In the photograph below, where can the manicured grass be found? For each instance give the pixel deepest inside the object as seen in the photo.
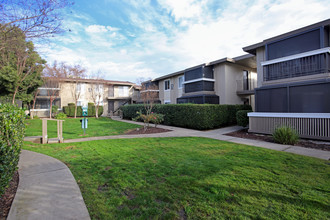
(72, 128)
(197, 178)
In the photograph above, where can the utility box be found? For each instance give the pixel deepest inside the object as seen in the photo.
(84, 111)
(84, 123)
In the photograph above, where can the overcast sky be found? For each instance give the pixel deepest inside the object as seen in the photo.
(128, 39)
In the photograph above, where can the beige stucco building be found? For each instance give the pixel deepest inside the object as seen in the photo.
(224, 81)
(109, 94)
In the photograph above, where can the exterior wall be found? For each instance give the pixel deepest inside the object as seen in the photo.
(228, 80)
(261, 56)
(173, 93)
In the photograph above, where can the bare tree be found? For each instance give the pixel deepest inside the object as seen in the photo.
(97, 91)
(76, 72)
(52, 77)
(37, 18)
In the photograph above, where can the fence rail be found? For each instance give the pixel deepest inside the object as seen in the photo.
(307, 125)
(303, 66)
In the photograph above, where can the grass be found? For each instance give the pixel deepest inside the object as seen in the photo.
(72, 128)
(194, 178)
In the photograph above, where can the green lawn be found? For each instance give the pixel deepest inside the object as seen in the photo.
(72, 128)
(194, 178)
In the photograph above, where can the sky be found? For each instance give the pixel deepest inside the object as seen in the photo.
(131, 39)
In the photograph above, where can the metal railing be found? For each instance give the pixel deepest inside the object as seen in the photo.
(307, 125)
(304, 66)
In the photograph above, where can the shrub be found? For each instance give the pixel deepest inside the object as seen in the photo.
(12, 130)
(60, 115)
(156, 118)
(242, 118)
(69, 110)
(54, 110)
(36, 117)
(195, 116)
(285, 135)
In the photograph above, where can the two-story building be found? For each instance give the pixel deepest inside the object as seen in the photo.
(293, 71)
(224, 81)
(110, 94)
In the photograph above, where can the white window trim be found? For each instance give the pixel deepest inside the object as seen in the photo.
(296, 56)
(289, 115)
(199, 79)
(169, 85)
(149, 90)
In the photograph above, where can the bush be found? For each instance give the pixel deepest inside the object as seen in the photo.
(285, 135)
(54, 110)
(242, 118)
(60, 115)
(12, 130)
(195, 116)
(69, 110)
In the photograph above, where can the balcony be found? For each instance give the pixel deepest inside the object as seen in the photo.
(245, 87)
(303, 64)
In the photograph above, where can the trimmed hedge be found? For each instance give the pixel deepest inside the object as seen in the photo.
(12, 130)
(69, 110)
(195, 116)
(242, 118)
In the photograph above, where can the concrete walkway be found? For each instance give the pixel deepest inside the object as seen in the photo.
(46, 190)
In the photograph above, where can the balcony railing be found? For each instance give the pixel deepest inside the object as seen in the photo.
(310, 63)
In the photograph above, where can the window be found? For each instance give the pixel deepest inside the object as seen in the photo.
(167, 84)
(167, 102)
(181, 79)
(245, 80)
(123, 91)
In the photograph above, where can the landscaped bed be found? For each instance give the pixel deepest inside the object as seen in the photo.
(72, 128)
(319, 145)
(194, 178)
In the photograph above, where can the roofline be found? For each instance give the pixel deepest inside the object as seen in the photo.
(251, 48)
(222, 60)
(109, 82)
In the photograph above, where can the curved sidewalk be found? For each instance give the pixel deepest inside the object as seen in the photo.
(46, 190)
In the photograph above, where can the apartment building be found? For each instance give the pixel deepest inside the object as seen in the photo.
(224, 81)
(293, 71)
(293, 82)
(110, 94)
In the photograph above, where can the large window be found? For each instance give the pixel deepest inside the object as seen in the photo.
(245, 80)
(294, 45)
(181, 79)
(123, 91)
(167, 84)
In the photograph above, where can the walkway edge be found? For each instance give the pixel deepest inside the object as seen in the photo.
(46, 190)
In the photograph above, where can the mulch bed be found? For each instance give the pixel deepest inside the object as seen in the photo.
(7, 198)
(320, 145)
(151, 130)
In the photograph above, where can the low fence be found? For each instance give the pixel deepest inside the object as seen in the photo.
(307, 125)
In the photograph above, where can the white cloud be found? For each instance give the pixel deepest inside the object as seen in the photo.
(179, 34)
(100, 29)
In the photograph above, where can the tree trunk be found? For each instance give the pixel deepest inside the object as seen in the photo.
(75, 110)
(50, 109)
(14, 95)
(97, 111)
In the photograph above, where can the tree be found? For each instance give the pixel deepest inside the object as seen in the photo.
(76, 72)
(36, 18)
(149, 95)
(20, 66)
(97, 91)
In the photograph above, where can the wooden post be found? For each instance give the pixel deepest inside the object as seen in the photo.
(44, 131)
